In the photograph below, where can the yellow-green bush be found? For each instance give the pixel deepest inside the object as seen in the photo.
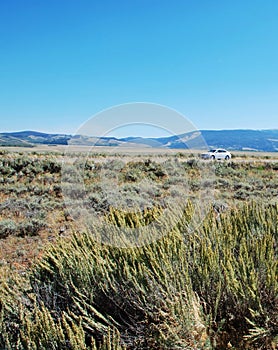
(215, 287)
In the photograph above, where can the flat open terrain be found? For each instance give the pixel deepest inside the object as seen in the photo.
(132, 150)
(245, 177)
(126, 222)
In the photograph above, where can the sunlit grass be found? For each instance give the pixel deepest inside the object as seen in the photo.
(213, 285)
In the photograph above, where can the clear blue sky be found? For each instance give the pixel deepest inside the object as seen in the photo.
(62, 61)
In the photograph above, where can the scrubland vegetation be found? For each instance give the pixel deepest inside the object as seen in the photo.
(211, 285)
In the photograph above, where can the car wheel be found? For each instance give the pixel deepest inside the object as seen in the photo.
(227, 157)
(212, 157)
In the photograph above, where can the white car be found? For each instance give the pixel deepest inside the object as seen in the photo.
(218, 153)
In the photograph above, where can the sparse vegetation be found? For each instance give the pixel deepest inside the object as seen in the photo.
(208, 286)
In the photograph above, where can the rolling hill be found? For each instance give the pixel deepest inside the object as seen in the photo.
(253, 140)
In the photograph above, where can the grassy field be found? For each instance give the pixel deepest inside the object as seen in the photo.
(129, 150)
(137, 249)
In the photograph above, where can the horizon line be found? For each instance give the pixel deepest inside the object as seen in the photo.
(133, 136)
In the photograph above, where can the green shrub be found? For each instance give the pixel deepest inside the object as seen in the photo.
(7, 228)
(212, 285)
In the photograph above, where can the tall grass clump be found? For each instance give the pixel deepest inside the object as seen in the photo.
(211, 287)
(233, 269)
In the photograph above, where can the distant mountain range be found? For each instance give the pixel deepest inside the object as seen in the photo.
(253, 140)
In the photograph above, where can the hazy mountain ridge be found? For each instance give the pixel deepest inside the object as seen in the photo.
(258, 140)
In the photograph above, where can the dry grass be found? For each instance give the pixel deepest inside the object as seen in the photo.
(209, 286)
